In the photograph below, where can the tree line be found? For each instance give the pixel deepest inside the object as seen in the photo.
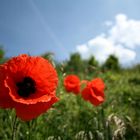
(76, 64)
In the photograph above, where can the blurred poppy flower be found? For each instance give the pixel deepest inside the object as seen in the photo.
(94, 91)
(72, 84)
(28, 84)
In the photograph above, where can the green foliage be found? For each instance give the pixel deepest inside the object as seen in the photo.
(2, 53)
(137, 67)
(111, 63)
(92, 64)
(49, 56)
(92, 61)
(75, 64)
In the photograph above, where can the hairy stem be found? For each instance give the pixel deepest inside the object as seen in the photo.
(14, 128)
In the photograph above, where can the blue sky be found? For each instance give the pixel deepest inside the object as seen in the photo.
(66, 26)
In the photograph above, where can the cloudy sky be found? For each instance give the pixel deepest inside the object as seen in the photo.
(90, 27)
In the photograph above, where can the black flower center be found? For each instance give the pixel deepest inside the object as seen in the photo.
(26, 87)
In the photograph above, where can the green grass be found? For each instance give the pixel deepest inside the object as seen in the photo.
(72, 118)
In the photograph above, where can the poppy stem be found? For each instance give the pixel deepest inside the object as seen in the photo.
(14, 128)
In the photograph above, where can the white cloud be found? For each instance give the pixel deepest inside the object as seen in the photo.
(83, 50)
(125, 55)
(125, 31)
(121, 39)
(100, 47)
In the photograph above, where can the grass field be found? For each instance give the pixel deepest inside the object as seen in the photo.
(72, 118)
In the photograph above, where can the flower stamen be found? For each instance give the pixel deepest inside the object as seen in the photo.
(26, 87)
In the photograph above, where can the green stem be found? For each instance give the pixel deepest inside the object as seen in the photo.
(14, 128)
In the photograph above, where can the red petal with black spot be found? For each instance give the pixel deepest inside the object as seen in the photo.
(28, 84)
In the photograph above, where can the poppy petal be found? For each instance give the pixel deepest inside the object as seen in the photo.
(5, 99)
(98, 84)
(94, 91)
(15, 97)
(28, 112)
(72, 83)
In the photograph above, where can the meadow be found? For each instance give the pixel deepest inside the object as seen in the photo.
(72, 118)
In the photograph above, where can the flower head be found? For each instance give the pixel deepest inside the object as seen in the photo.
(94, 91)
(28, 84)
(72, 84)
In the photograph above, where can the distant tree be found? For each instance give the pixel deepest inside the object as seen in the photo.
(112, 63)
(75, 63)
(49, 56)
(92, 63)
(136, 67)
(2, 53)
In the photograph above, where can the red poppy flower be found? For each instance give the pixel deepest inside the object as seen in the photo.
(94, 91)
(72, 84)
(28, 84)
